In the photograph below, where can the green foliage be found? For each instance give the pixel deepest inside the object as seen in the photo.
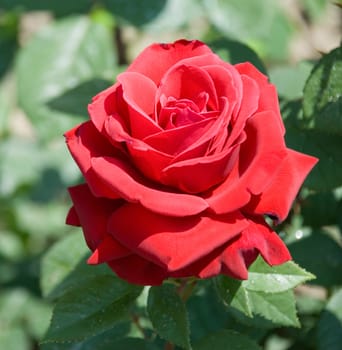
(270, 26)
(329, 332)
(103, 303)
(168, 315)
(57, 65)
(220, 340)
(328, 268)
(322, 94)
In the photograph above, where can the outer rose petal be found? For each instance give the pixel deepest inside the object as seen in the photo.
(169, 242)
(93, 213)
(260, 157)
(257, 237)
(156, 59)
(234, 258)
(277, 199)
(137, 270)
(120, 178)
(268, 93)
(72, 218)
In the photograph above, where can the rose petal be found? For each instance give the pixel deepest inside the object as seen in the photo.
(166, 240)
(268, 93)
(201, 147)
(225, 86)
(257, 237)
(122, 179)
(140, 106)
(249, 105)
(93, 213)
(188, 82)
(156, 59)
(199, 174)
(147, 159)
(84, 142)
(277, 198)
(106, 103)
(72, 218)
(234, 258)
(177, 140)
(108, 249)
(260, 157)
(137, 270)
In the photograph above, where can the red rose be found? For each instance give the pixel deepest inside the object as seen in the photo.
(182, 159)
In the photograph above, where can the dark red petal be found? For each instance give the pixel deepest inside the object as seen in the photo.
(122, 179)
(72, 218)
(260, 236)
(257, 237)
(108, 249)
(137, 270)
(93, 213)
(172, 242)
(234, 258)
(277, 198)
(156, 59)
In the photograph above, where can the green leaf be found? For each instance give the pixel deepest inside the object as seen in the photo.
(9, 24)
(322, 103)
(168, 315)
(234, 294)
(329, 327)
(226, 339)
(236, 52)
(315, 8)
(269, 32)
(135, 12)
(13, 154)
(58, 8)
(278, 308)
(290, 80)
(60, 261)
(206, 315)
(58, 65)
(274, 279)
(176, 14)
(327, 173)
(319, 209)
(321, 255)
(91, 309)
(14, 338)
(105, 341)
(76, 100)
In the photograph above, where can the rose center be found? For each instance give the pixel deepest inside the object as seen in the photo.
(175, 113)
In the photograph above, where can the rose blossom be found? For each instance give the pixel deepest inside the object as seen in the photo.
(182, 158)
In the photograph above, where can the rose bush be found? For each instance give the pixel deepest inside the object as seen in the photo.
(182, 158)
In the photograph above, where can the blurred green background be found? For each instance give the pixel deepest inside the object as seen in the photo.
(55, 55)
